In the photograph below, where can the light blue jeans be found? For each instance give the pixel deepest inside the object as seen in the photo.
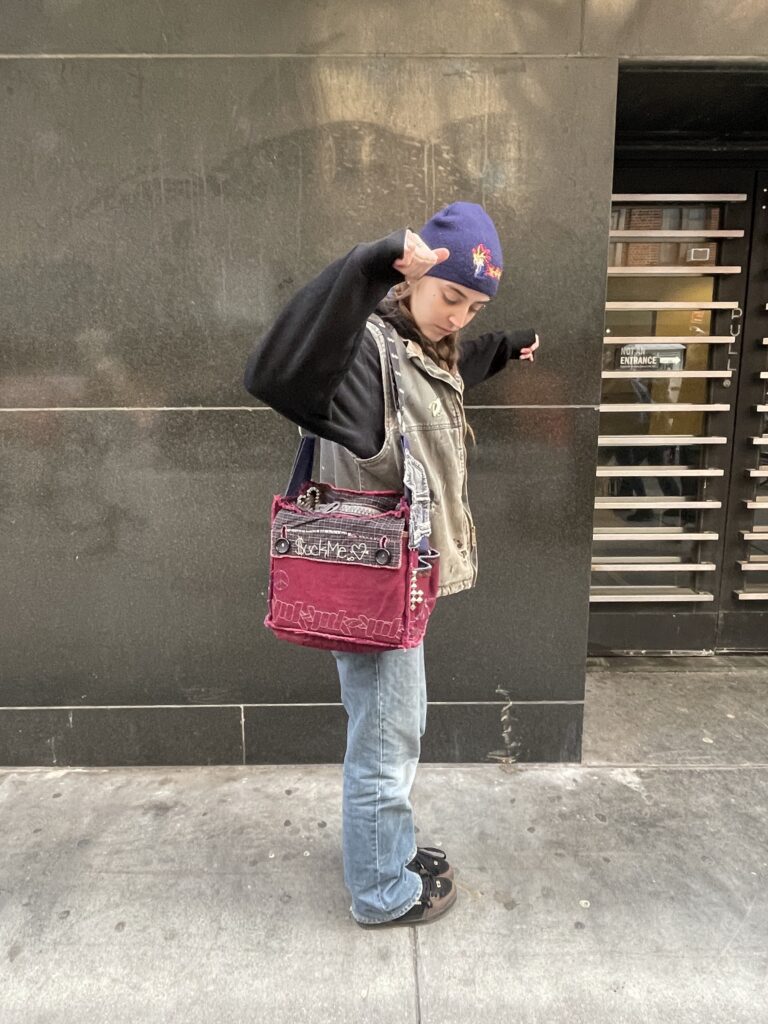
(385, 696)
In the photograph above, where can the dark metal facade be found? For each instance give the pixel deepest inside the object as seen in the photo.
(169, 176)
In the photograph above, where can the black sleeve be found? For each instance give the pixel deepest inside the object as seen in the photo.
(480, 358)
(319, 342)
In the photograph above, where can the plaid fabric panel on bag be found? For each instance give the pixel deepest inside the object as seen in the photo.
(336, 538)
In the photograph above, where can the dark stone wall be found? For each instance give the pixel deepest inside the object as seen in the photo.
(171, 173)
(669, 28)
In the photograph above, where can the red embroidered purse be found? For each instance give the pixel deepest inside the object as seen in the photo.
(352, 570)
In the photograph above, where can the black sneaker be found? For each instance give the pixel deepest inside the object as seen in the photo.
(431, 861)
(437, 895)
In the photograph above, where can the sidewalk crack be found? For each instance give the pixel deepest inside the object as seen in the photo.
(415, 949)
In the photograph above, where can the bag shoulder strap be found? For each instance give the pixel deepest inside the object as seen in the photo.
(302, 465)
(386, 332)
(305, 455)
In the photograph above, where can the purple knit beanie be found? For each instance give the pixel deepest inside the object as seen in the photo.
(466, 230)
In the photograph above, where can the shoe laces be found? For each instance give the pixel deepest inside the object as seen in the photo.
(428, 858)
(431, 888)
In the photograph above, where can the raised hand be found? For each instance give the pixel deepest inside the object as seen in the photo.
(417, 257)
(527, 352)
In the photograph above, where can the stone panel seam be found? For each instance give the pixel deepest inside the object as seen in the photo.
(604, 57)
(595, 408)
(369, 55)
(286, 704)
(553, 766)
(137, 408)
(113, 707)
(228, 408)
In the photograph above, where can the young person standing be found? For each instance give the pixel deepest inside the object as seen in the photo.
(321, 366)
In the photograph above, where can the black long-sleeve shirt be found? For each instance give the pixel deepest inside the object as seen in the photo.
(319, 367)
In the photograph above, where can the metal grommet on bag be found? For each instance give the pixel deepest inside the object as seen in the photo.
(282, 544)
(382, 555)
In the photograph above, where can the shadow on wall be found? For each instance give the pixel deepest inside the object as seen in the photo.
(204, 263)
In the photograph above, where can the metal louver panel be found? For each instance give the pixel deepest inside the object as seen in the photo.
(639, 594)
(682, 339)
(679, 197)
(662, 502)
(670, 280)
(626, 306)
(675, 234)
(657, 564)
(648, 470)
(759, 563)
(669, 271)
(658, 533)
(612, 440)
(645, 407)
(683, 374)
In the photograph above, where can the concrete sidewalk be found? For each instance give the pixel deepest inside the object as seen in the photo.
(603, 892)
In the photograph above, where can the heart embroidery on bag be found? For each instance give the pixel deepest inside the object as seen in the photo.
(359, 551)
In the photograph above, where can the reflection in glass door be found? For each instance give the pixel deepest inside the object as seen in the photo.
(677, 279)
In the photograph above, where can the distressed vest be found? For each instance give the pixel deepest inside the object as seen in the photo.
(433, 413)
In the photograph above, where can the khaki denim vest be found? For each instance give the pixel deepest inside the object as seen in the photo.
(433, 412)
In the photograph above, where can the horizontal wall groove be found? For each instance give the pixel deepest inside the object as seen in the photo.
(676, 766)
(506, 767)
(227, 408)
(596, 408)
(137, 408)
(477, 55)
(707, 58)
(239, 704)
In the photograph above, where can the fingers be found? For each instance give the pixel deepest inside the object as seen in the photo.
(527, 352)
(417, 257)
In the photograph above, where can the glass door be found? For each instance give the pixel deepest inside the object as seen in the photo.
(668, 448)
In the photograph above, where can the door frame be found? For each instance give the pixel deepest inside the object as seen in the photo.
(743, 625)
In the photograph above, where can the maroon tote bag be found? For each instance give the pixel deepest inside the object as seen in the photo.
(352, 570)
